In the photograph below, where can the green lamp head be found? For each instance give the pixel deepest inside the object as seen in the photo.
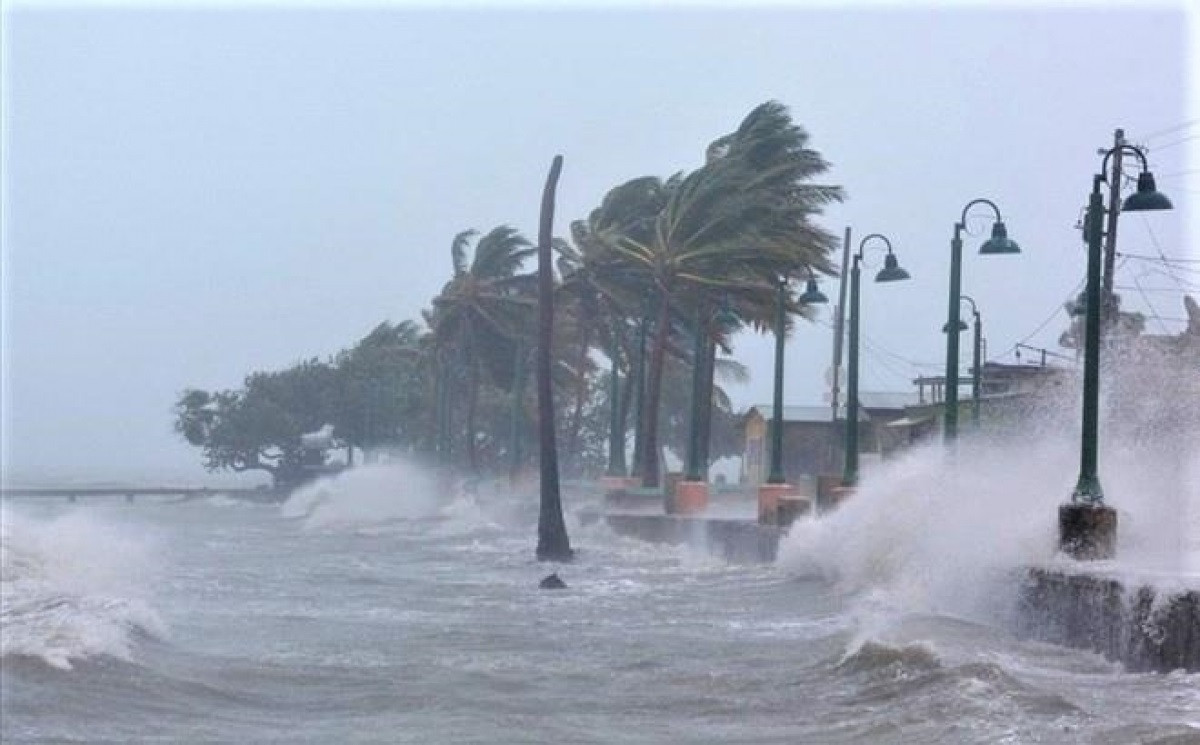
(812, 294)
(999, 243)
(891, 271)
(1147, 197)
(962, 326)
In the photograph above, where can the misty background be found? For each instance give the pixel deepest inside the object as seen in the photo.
(193, 194)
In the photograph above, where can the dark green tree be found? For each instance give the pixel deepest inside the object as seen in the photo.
(479, 315)
(260, 426)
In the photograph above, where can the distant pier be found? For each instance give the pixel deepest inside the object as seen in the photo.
(183, 493)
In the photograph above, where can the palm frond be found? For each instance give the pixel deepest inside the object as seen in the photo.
(458, 251)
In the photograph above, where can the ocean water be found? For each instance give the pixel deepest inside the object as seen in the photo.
(372, 609)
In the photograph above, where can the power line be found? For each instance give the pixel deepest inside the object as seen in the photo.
(1173, 143)
(1146, 300)
(1053, 314)
(1139, 288)
(1158, 249)
(880, 353)
(1169, 318)
(1160, 257)
(1176, 174)
(1168, 130)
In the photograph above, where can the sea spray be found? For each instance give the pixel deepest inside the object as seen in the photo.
(368, 495)
(947, 533)
(74, 587)
(369, 498)
(933, 532)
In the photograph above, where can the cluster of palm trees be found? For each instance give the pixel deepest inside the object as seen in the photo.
(656, 279)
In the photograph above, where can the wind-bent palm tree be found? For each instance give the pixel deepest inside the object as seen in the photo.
(481, 311)
(603, 296)
(553, 543)
(733, 228)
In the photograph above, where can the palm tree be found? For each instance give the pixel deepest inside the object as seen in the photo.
(603, 296)
(479, 314)
(734, 227)
(553, 543)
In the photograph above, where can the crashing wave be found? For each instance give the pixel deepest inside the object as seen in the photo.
(72, 588)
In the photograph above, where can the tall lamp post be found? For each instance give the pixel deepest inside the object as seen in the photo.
(811, 296)
(775, 475)
(999, 243)
(977, 343)
(776, 484)
(891, 272)
(1087, 527)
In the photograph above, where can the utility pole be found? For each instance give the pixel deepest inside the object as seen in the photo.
(839, 319)
(839, 333)
(1110, 234)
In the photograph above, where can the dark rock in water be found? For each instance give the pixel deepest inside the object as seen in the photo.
(552, 582)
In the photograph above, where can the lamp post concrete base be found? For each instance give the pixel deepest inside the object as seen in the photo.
(691, 497)
(618, 483)
(1087, 531)
(790, 507)
(768, 501)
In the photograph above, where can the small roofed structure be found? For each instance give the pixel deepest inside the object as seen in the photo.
(321, 439)
(814, 441)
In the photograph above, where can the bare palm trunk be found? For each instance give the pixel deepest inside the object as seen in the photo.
(472, 405)
(627, 394)
(706, 407)
(650, 449)
(576, 422)
(514, 433)
(553, 543)
(639, 403)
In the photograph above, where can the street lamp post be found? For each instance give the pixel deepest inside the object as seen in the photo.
(811, 296)
(891, 272)
(976, 353)
(775, 475)
(1087, 527)
(999, 243)
(976, 362)
(776, 484)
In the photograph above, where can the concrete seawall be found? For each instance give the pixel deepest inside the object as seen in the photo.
(739, 541)
(1137, 622)
(1129, 621)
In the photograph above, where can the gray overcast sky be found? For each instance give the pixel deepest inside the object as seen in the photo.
(192, 194)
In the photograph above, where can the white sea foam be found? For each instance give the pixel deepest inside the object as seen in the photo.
(73, 587)
(942, 534)
(369, 495)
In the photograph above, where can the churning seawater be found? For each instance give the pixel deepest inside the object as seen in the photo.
(368, 610)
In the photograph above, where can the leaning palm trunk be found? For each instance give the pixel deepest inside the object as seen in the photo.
(627, 394)
(553, 543)
(639, 403)
(472, 405)
(650, 449)
(581, 391)
(706, 405)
